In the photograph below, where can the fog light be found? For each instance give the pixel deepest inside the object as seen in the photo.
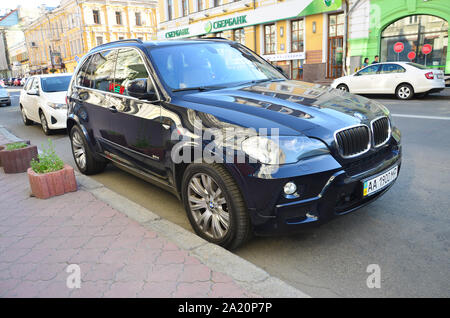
(290, 188)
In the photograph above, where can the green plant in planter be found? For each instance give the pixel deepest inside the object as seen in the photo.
(16, 145)
(48, 160)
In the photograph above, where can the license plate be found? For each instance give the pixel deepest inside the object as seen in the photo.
(379, 182)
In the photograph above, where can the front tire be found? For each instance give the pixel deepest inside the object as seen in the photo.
(44, 124)
(342, 87)
(83, 156)
(215, 206)
(404, 91)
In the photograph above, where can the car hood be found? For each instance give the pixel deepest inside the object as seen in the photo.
(293, 107)
(56, 97)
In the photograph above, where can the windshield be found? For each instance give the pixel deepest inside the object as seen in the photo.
(210, 65)
(55, 84)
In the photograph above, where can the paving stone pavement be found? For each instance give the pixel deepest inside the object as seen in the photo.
(117, 256)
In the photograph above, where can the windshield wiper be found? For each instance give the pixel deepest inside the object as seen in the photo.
(197, 88)
(262, 81)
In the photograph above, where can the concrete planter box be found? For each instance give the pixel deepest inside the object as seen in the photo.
(50, 184)
(18, 160)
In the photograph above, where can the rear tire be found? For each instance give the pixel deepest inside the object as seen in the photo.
(215, 206)
(25, 120)
(82, 154)
(404, 92)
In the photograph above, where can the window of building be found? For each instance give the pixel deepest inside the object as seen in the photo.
(138, 18)
(200, 5)
(217, 3)
(129, 67)
(335, 45)
(297, 36)
(269, 39)
(239, 36)
(169, 9)
(99, 40)
(185, 7)
(297, 70)
(414, 32)
(96, 15)
(121, 37)
(118, 18)
(100, 72)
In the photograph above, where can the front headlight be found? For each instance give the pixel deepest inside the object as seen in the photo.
(56, 105)
(275, 150)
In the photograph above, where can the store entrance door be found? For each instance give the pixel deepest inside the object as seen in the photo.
(335, 45)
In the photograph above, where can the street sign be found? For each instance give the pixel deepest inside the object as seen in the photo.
(426, 49)
(411, 55)
(398, 47)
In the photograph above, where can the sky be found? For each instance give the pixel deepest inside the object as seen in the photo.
(5, 4)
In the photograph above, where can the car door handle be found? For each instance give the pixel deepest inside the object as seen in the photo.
(112, 109)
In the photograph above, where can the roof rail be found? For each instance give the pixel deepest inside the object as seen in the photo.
(119, 41)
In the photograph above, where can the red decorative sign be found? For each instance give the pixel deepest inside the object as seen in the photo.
(426, 49)
(411, 55)
(116, 88)
(398, 47)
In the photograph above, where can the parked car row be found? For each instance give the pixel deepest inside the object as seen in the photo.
(13, 81)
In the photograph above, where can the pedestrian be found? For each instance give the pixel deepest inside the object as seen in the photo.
(376, 60)
(366, 62)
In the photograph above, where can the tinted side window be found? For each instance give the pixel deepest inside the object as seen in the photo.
(370, 70)
(100, 71)
(391, 68)
(130, 66)
(81, 79)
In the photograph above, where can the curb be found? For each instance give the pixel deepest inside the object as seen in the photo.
(245, 274)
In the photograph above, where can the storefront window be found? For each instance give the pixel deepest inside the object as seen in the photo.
(414, 32)
(297, 70)
(269, 39)
(239, 36)
(297, 36)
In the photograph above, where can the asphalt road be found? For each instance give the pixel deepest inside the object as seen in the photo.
(406, 232)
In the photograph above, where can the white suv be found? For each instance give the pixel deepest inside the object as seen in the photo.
(43, 100)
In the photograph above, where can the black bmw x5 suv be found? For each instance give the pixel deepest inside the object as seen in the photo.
(246, 150)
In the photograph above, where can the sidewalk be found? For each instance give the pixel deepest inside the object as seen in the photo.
(122, 249)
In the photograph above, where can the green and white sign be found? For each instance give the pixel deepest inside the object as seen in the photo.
(270, 13)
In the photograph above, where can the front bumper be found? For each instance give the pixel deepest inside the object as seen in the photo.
(329, 191)
(5, 100)
(56, 118)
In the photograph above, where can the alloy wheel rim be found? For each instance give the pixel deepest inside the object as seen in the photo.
(208, 206)
(404, 92)
(79, 152)
(342, 88)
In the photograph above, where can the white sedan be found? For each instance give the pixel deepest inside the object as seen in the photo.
(404, 79)
(43, 100)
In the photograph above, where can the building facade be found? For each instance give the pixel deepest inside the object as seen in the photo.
(57, 40)
(376, 25)
(304, 37)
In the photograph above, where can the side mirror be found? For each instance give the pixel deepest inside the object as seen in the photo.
(33, 92)
(138, 88)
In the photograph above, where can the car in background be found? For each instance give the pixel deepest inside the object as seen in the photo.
(10, 81)
(404, 79)
(2, 83)
(17, 82)
(42, 100)
(5, 99)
